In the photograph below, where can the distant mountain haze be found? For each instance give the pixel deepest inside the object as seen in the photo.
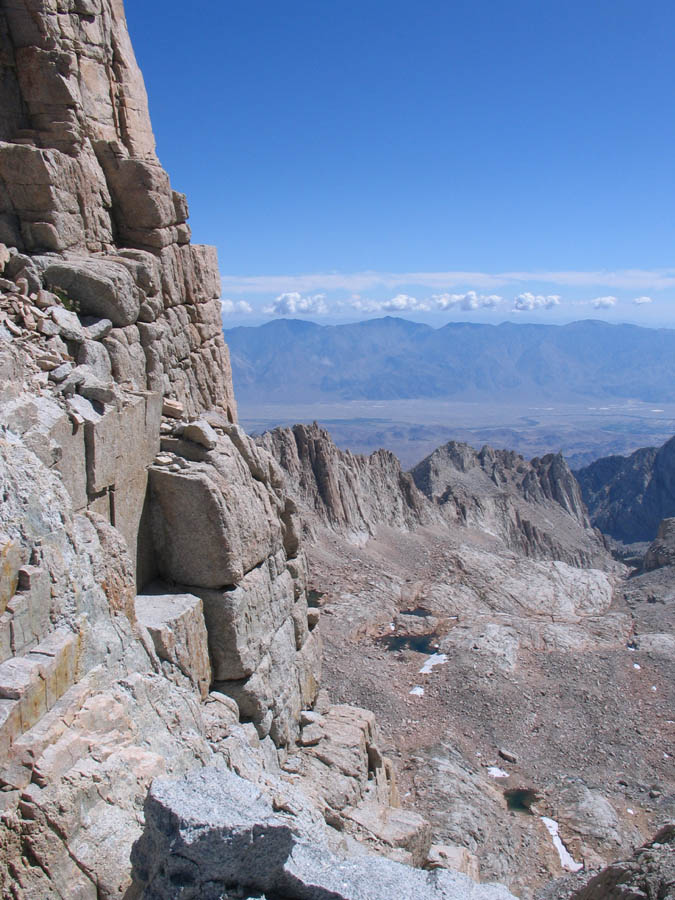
(290, 360)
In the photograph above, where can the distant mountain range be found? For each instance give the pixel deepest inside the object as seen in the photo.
(392, 358)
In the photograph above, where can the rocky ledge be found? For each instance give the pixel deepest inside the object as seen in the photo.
(213, 836)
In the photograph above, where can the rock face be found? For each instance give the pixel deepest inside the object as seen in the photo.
(661, 551)
(87, 205)
(627, 496)
(214, 835)
(535, 507)
(153, 604)
(650, 872)
(341, 490)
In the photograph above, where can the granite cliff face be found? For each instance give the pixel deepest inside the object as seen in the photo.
(90, 210)
(628, 496)
(343, 491)
(153, 605)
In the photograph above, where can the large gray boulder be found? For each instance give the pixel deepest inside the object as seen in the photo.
(212, 835)
(99, 287)
(219, 500)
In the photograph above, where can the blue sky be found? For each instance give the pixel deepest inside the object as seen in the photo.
(440, 160)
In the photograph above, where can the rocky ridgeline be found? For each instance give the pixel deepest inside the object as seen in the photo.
(535, 507)
(628, 496)
(153, 604)
(341, 490)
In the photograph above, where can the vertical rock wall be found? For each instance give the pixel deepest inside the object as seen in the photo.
(120, 465)
(88, 206)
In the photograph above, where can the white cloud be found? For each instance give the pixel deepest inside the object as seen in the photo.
(402, 303)
(641, 300)
(468, 301)
(528, 301)
(357, 282)
(399, 303)
(292, 302)
(604, 302)
(229, 307)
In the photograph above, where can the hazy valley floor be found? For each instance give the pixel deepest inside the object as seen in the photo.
(414, 428)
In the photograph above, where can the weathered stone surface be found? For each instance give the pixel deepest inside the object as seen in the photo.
(535, 507)
(46, 429)
(172, 408)
(96, 329)
(78, 175)
(94, 355)
(201, 433)
(92, 387)
(11, 558)
(271, 697)
(176, 625)
(99, 287)
(242, 621)
(213, 832)
(452, 856)
(405, 834)
(68, 324)
(661, 551)
(234, 514)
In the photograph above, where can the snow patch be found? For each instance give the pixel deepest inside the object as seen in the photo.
(436, 659)
(417, 691)
(496, 772)
(566, 860)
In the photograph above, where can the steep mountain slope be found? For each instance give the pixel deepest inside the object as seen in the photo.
(392, 358)
(348, 492)
(628, 496)
(535, 507)
(478, 649)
